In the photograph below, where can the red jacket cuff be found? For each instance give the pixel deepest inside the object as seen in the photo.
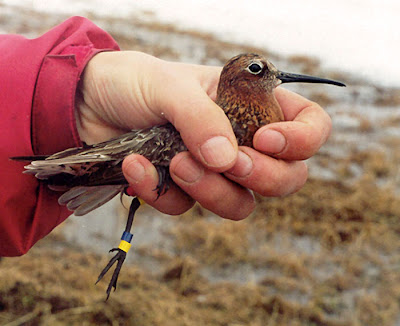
(53, 112)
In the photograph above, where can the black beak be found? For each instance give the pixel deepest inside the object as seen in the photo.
(286, 77)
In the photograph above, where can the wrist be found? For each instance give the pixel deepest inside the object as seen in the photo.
(89, 108)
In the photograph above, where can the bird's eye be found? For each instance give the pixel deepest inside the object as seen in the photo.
(255, 68)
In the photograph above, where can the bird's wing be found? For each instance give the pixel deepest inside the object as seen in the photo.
(159, 144)
(83, 200)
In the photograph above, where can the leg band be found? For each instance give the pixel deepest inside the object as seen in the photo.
(124, 246)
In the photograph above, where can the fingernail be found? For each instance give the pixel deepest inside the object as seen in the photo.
(218, 152)
(135, 172)
(243, 166)
(271, 141)
(188, 170)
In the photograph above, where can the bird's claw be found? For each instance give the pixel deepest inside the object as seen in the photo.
(164, 180)
(120, 257)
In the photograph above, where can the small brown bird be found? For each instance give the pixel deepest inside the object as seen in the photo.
(92, 175)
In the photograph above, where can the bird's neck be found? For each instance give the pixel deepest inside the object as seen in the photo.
(248, 113)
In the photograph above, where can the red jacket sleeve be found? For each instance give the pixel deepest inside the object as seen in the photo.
(38, 81)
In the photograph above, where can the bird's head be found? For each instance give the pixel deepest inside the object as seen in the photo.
(254, 72)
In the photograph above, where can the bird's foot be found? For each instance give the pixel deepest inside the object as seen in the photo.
(120, 256)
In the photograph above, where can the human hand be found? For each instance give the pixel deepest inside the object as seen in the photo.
(130, 90)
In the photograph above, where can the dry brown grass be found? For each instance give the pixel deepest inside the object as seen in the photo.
(308, 65)
(387, 97)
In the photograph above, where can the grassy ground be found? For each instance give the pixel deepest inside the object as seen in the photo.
(348, 275)
(328, 255)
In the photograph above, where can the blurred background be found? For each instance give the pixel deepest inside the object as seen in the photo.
(328, 255)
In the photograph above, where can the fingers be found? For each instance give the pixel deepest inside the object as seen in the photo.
(308, 128)
(212, 190)
(143, 178)
(266, 175)
(187, 103)
(263, 174)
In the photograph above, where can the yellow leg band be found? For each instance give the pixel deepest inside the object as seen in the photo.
(141, 201)
(124, 245)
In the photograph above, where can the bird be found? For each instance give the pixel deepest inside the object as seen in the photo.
(92, 175)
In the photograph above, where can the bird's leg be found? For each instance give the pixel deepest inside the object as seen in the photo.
(122, 249)
(164, 180)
